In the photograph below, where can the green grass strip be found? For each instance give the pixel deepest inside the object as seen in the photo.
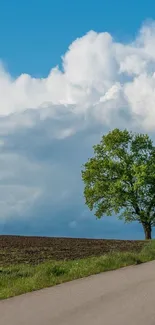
(22, 278)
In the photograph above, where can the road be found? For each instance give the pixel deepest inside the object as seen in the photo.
(121, 297)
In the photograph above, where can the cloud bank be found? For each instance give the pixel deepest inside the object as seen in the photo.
(48, 127)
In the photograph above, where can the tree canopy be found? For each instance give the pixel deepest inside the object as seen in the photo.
(120, 178)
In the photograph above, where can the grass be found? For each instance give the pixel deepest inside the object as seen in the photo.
(22, 278)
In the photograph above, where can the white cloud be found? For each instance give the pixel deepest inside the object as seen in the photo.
(17, 200)
(95, 69)
(48, 125)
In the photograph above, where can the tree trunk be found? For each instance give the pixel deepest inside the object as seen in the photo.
(147, 231)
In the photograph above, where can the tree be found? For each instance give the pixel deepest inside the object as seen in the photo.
(120, 178)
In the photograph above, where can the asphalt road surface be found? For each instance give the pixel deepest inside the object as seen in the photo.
(121, 297)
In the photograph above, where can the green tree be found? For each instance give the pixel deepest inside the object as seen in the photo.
(120, 178)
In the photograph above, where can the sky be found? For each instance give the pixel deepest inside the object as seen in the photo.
(69, 72)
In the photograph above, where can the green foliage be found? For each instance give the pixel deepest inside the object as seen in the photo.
(120, 178)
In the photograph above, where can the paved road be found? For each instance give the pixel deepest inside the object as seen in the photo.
(122, 297)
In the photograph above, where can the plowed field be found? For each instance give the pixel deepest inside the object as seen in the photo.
(34, 250)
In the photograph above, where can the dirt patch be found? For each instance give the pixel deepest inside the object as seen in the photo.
(34, 250)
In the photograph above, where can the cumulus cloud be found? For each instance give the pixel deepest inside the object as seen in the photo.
(48, 125)
(96, 69)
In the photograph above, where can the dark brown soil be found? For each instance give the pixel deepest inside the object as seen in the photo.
(33, 250)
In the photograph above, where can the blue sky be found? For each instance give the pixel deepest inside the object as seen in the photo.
(69, 73)
(35, 34)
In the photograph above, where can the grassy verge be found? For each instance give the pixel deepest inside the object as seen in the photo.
(18, 279)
